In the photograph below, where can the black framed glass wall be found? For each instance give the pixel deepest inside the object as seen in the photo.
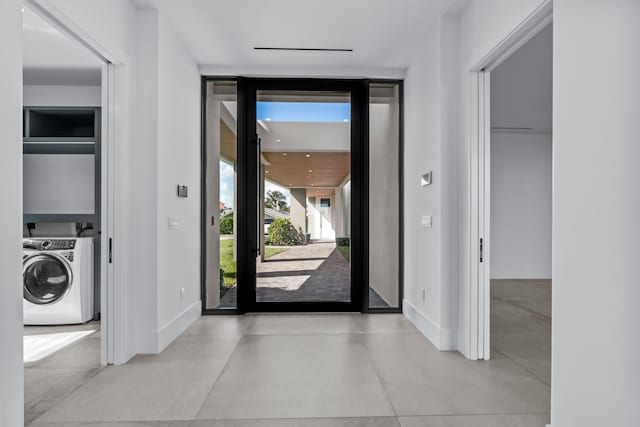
(357, 220)
(385, 201)
(219, 196)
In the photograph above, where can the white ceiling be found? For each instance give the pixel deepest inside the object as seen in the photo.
(382, 33)
(51, 57)
(306, 136)
(522, 86)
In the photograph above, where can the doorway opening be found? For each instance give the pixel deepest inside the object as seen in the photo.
(291, 220)
(510, 171)
(68, 215)
(520, 205)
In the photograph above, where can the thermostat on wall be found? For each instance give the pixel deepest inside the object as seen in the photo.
(183, 191)
(425, 179)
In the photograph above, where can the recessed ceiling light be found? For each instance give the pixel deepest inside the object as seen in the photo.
(307, 155)
(310, 170)
(277, 140)
(266, 171)
(284, 154)
(290, 185)
(312, 185)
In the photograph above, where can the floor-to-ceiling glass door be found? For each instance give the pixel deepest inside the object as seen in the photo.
(301, 191)
(302, 182)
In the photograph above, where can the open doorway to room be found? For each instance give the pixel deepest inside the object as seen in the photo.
(301, 195)
(62, 206)
(520, 205)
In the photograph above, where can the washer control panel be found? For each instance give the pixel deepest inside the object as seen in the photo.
(49, 244)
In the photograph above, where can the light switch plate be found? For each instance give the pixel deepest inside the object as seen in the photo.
(173, 223)
(426, 221)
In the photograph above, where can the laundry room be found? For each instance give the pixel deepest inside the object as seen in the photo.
(62, 212)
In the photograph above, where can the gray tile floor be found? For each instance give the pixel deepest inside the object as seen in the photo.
(50, 380)
(317, 370)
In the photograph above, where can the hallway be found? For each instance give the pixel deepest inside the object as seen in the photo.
(269, 370)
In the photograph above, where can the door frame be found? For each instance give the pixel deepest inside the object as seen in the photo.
(248, 159)
(479, 250)
(114, 348)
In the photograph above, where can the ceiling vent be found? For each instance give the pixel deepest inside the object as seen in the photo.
(304, 49)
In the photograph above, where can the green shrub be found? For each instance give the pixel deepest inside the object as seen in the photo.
(343, 241)
(226, 225)
(283, 233)
(344, 246)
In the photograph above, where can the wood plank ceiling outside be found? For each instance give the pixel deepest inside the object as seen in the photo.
(296, 170)
(328, 169)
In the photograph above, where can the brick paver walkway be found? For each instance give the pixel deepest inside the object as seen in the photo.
(312, 272)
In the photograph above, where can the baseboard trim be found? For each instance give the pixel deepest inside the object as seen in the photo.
(153, 342)
(534, 274)
(442, 339)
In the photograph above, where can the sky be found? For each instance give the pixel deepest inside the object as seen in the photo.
(226, 185)
(311, 112)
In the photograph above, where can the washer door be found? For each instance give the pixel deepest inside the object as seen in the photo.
(46, 278)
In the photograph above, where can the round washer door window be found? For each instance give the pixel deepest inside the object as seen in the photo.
(46, 279)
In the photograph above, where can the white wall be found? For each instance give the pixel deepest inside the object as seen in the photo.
(11, 367)
(143, 152)
(178, 163)
(59, 183)
(521, 206)
(430, 109)
(166, 153)
(62, 96)
(596, 294)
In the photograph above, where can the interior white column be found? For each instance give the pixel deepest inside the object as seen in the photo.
(596, 214)
(11, 366)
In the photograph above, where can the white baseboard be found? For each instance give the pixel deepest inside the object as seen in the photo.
(442, 339)
(530, 274)
(153, 342)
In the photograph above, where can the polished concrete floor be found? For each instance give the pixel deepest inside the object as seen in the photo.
(320, 370)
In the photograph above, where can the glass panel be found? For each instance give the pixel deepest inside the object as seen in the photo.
(384, 196)
(46, 279)
(305, 200)
(221, 179)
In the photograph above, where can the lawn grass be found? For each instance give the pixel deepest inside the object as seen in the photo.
(229, 265)
(345, 251)
(270, 251)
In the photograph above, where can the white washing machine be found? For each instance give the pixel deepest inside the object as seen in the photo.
(57, 277)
